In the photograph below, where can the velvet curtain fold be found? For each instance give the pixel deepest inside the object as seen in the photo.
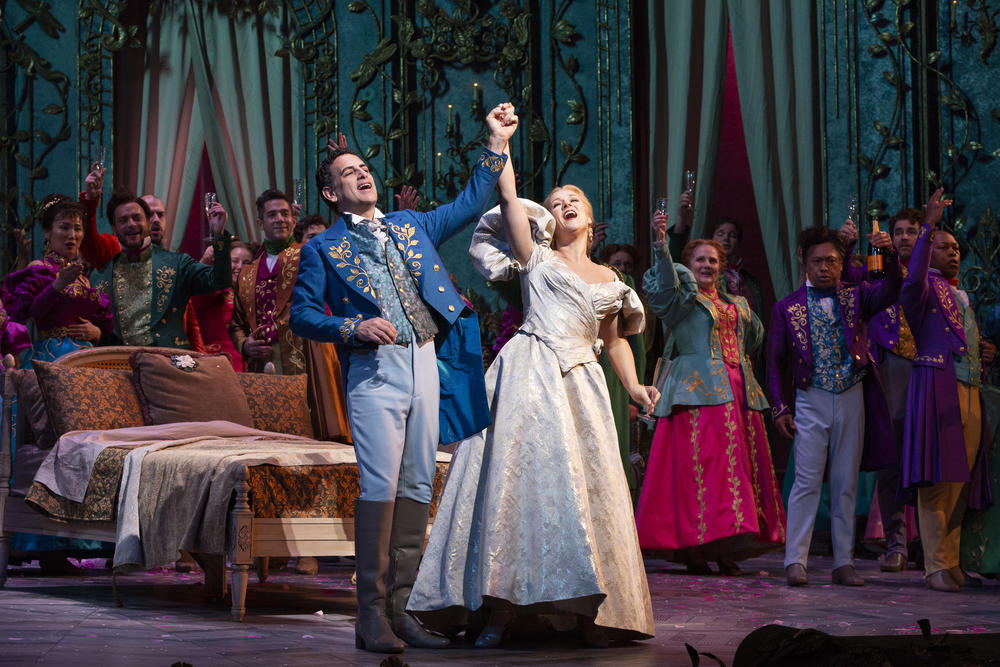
(688, 42)
(775, 50)
(775, 47)
(214, 83)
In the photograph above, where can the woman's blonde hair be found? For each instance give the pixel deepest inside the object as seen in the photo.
(575, 190)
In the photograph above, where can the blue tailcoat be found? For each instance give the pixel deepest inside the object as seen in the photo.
(331, 274)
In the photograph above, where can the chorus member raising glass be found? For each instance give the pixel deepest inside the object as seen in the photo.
(710, 491)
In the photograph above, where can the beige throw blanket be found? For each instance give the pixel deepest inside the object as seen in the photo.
(178, 479)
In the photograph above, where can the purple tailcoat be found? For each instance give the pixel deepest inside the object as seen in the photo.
(883, 327)
(790, 353)
(933, 443)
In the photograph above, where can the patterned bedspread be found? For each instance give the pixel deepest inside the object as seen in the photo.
(275, 491)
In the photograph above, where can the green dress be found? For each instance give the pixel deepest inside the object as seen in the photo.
(620, 398)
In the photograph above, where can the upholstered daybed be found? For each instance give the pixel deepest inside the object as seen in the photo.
(158, 450)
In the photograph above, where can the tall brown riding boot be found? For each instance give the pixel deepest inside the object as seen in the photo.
(372, 525)
(409, 525)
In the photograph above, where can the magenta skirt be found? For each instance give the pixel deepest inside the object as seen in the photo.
(710, 482)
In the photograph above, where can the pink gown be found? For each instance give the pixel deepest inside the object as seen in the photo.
(710, 480)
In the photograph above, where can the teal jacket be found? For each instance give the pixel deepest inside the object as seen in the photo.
(697, 374)
(176, 278)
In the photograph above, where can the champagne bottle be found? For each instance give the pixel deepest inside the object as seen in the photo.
(876, 257)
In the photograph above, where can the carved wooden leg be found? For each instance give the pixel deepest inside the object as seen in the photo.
(240, 544)
(239, 577)
(262, 572)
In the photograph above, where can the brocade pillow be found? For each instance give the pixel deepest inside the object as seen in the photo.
(188, 387)
(87, 399)
(278, 403)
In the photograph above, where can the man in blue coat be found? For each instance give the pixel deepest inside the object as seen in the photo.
(413, 365)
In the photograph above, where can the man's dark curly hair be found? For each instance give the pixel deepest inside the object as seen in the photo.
(122, 196)
(914, 215)
(818, 235)
(324, 176)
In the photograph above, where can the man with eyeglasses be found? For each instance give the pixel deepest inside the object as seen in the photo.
(818, 335)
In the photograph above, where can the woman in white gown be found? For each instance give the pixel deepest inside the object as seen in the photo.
(536, 517)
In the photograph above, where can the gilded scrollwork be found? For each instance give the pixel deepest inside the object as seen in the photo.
(344, 258)
(408, 246)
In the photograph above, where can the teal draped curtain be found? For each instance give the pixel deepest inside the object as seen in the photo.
(213, 82)
(775, 49)
(688, 42)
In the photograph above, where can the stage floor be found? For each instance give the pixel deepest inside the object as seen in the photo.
(301, 620)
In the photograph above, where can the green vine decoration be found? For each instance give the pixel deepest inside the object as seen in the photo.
(984, 22)
(28, 145)
(313, 41)
(898, 32)
(408, 70)
(889, 132)
(564, 34)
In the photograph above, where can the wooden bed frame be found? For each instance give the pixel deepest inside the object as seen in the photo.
(247, 537)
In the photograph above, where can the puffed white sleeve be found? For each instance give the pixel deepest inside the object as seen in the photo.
(491, 252)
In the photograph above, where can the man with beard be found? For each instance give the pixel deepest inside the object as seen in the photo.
(893, 346)
(157, 219)
(150, 287)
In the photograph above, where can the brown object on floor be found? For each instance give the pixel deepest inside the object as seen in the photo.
(185, 563)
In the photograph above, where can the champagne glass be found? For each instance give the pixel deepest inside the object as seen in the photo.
(660, 207)
(210, 199)
(300, 191)
(689, 180)
(852, 208)
(101, 156)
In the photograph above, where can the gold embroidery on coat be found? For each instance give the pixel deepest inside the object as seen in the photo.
(846, 298)
(948, 306)
(491, 162)
(346, 258)
(410, 256)
(290, 267)
(348, 327)
(798, 317)
(164, 281)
